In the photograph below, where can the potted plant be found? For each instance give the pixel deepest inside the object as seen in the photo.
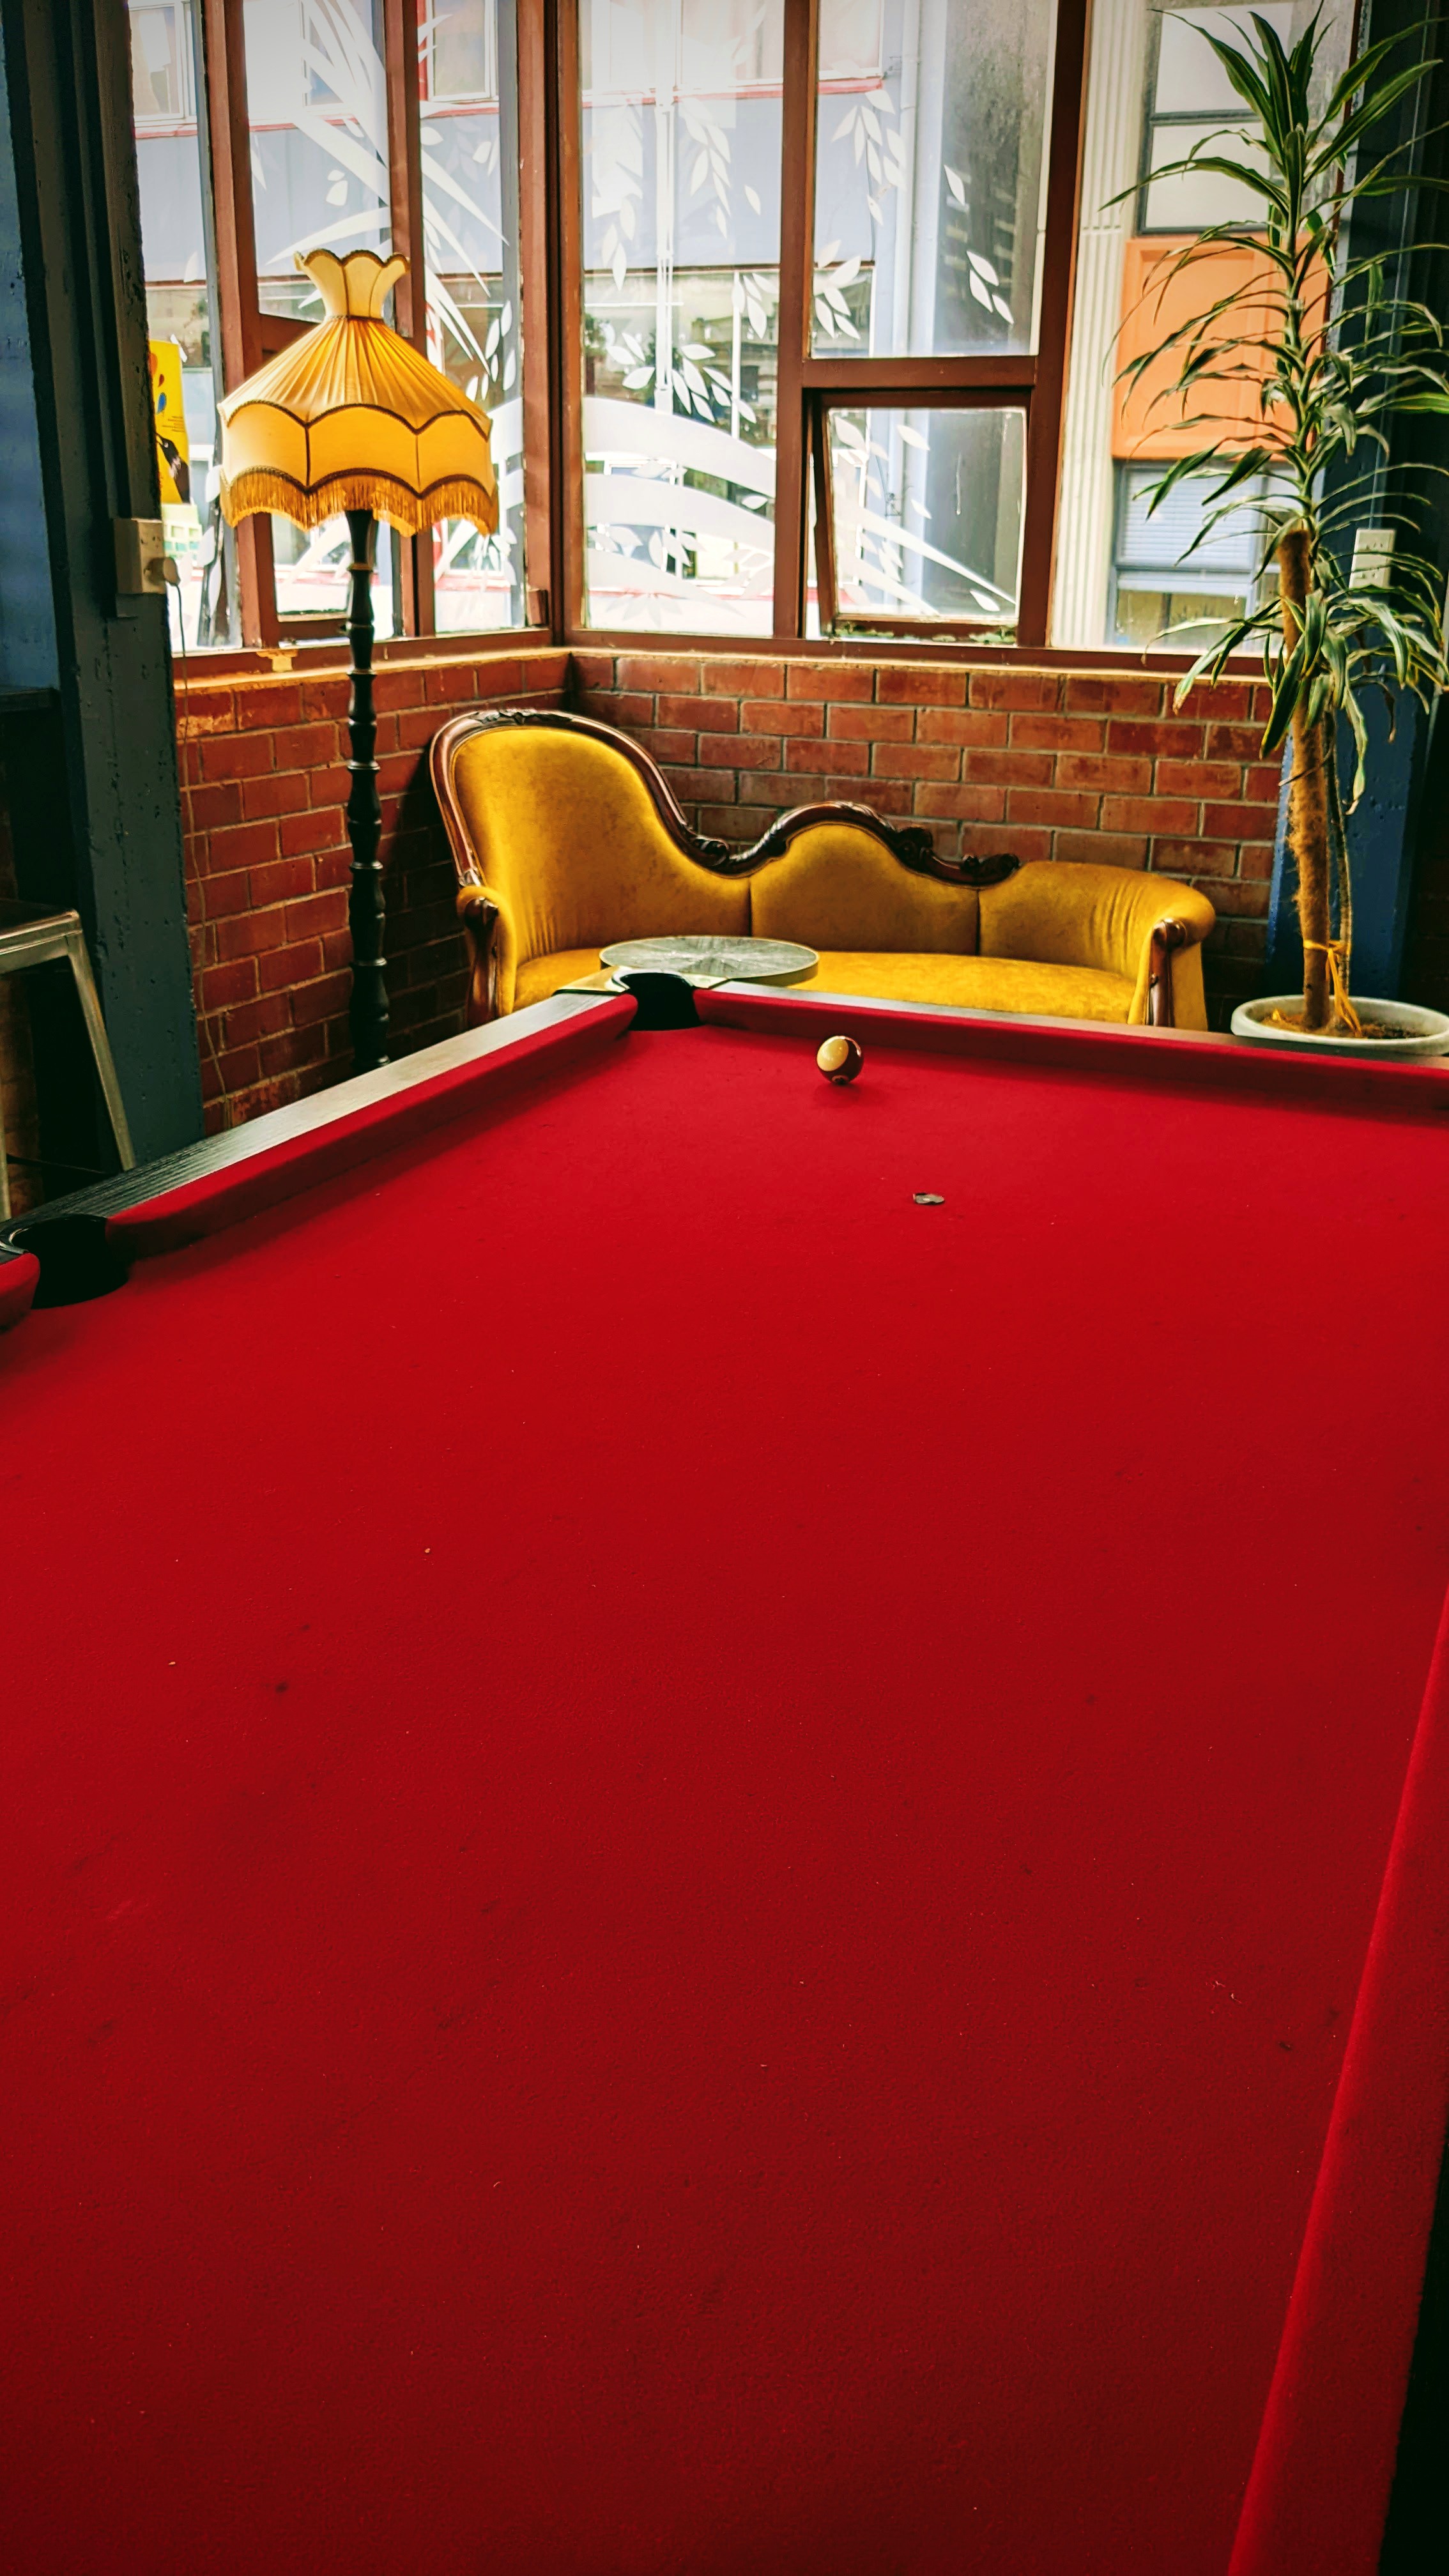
(1330, 358)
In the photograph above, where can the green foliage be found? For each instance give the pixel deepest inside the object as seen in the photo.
(1332, 358)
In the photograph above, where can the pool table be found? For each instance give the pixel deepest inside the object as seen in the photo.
(726, 1805)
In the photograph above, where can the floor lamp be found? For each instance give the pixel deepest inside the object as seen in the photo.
(351, 419)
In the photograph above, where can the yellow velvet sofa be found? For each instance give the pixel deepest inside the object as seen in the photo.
(566, 837)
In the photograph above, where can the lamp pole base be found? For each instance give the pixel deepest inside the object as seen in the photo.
(367, 1009)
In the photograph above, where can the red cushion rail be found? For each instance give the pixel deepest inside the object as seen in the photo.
(1176, 1059)
(1319, 2490)
(19, 1279)
(351, 1136)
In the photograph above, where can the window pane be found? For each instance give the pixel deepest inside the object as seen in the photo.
(1195, 104)
(681, 289)
(317, 108)
(1154, 87)
(474, 288)
(1190, 200)
(1190, 81)
(1177, 534)
(928, 513)
(310, 567)
(930, 176)
(850, 39)
(1179, 580)
(180, 307)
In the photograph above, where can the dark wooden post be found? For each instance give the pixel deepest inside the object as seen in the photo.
(101, 827)
(367, 1011)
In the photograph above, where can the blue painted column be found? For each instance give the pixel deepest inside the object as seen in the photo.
(94, 792)
(27, 611)
(1382, 838)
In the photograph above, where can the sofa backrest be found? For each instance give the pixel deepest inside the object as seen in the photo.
(569, 839)
(838, 886)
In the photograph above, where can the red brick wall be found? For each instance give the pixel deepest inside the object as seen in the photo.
(264, 812)
(1049, 764)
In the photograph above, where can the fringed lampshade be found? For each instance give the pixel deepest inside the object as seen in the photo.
(352, 419)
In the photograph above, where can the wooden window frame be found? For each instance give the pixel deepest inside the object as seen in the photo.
(249, 336)
(810, 384)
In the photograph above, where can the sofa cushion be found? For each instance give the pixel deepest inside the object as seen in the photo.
(970, 983)
(539, 976)
(838, 886)
(975, 983)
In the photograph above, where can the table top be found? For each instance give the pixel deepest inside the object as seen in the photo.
(710, 959)
(907, 2039)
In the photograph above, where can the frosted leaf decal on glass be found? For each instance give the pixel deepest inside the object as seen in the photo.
(468, 58)
(927, 514)
(317, 103)
(180, 309)
(931, 144)
(317, 110)
(317, 107)
(681, 296)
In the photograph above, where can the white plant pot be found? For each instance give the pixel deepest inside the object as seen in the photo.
(1430, 1030)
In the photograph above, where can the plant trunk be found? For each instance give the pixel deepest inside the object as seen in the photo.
(1307, 799)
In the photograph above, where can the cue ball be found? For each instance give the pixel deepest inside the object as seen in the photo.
(840, 1059)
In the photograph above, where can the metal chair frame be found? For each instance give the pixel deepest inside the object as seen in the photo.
(33, 938)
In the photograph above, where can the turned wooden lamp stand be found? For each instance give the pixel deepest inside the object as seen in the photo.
(367, 1003)
(352, 419)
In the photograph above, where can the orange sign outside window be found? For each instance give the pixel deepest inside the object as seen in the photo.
(1148, 417)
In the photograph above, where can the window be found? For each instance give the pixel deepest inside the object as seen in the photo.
(1174, 578)
(316, 95)
(767, 300)
(927, 515)
(821, 312)
(681, 257)
(374, 124)
(930, 160)
(317, 117)
(163, 78)
(468, 134)
(179, 259)
(460, 52)
(1125, 577)
(1192, 102)
(945, 163)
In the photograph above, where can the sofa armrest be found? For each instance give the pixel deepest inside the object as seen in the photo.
(489, 930)
(1064, 912)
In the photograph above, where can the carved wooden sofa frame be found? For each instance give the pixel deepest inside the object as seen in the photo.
(911, 845)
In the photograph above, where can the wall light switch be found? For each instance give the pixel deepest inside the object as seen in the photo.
(1373, 557)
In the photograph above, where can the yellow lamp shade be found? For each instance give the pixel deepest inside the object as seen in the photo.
(350, 417)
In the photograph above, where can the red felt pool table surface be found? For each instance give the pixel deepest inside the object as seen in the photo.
(692, 1847)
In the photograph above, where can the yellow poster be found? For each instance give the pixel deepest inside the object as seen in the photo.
(173, 452)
